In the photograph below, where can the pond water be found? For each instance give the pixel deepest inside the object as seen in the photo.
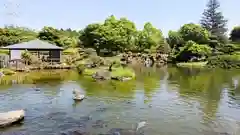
(172, 101)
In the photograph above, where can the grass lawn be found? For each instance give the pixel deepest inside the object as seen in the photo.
(6, 71)
(116, 72)
(192, 64)
(123, 72)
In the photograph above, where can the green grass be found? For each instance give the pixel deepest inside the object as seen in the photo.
(6, 71)
(123, 72)
(3, 51)
(89, 72)
(192, 64)
(70, 51)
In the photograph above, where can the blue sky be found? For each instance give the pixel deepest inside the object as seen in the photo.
(163, 14)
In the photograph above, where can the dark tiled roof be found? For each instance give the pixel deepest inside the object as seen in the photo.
(33, 44)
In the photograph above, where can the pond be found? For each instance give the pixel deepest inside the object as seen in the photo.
(173, 101)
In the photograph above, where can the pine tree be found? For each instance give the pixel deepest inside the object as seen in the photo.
(213, 19)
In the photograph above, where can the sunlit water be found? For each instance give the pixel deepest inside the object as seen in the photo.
(172, 101)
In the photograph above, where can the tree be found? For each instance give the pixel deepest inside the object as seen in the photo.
(235, 34)
(193, 50)
(64, 38)
(195, 33)
(12, 35)
(174, 39)
(113, 35)
(213, 20)
(150, 37)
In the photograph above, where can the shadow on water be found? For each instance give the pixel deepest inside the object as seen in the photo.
(190, 101)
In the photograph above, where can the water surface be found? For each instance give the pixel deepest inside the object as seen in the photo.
(172, 101)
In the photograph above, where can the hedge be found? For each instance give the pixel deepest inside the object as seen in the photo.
(224, 61)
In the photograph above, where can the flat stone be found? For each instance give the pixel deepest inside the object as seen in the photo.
(11, 117)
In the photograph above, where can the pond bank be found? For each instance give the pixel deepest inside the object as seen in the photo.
(112, 105)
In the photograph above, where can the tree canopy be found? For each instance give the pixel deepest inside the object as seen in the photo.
(235, 34)
(120, 34)
(12, 35)
(64, 38)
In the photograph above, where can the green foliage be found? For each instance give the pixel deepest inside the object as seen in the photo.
(122, 72)
(112, 35)
(149, 37)
(3, 51)
(12, 35)
(80, 68)
(195, 33)
(235, 34)
(191, 50)
(6, 71)
(192, 64)
(174, 39)
(70, 51)
(224, 61)
(26, 56)
(228, 48)
(213, 20)
(96, 61)
(119, 35)
(64, 38)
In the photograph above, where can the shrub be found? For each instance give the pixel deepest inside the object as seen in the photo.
(70, 51)
(228, 48)
(26, 56)
(80, 68)
(90, 51)
(191, 50)
(96, 60)
(224, 61)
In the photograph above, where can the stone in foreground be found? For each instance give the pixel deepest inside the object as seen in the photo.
(11, 117)
(77, 96)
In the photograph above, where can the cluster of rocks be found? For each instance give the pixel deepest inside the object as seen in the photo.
(147, 59)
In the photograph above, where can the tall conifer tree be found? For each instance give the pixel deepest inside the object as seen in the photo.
(213, 19)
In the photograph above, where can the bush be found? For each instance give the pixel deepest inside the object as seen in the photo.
(224, 61)
(193, 50)
(70, 51)
(90, 51)
(228, 48)
(80, 68)
(96, 60)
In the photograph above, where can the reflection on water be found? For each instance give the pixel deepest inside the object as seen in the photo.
(190, 101)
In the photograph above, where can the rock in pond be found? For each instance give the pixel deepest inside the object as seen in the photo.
(77, 96)
(122, 78)
(11, 117)
(102, 75)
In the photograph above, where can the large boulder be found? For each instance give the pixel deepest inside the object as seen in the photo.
(102, 75)
(11, 117)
